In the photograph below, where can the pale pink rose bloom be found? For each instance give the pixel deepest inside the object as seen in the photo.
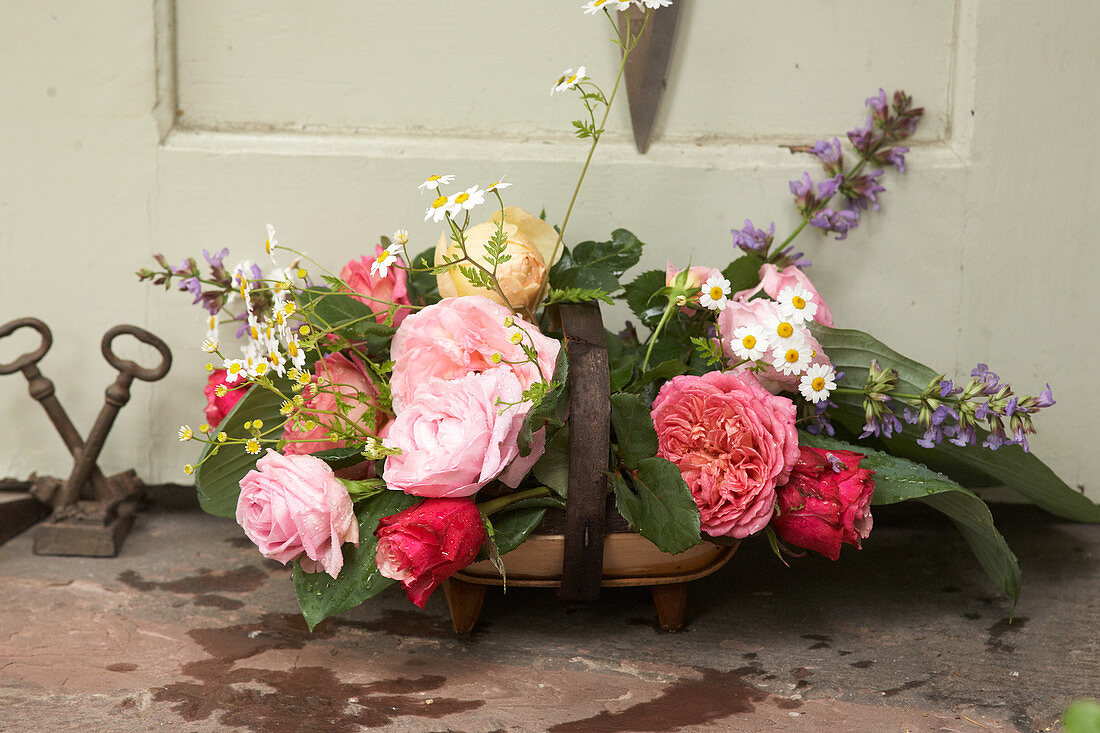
(458, 336)
(294, 507)
(773, 281)
(334, 373)
(453, 437)
(697, 276)
(373, 288)
(733, 443)
(757, 312)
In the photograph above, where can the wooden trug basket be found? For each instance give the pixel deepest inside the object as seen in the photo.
(593, 547)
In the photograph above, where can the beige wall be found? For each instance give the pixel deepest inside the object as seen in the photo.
(323, 117)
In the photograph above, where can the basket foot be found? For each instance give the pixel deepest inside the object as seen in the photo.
(671, 601)
(464, 601)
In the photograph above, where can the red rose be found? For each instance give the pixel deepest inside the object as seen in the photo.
(423, 546)
(826, 502)
(218, 407)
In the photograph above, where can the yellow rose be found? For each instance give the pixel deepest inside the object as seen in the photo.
(531, 243)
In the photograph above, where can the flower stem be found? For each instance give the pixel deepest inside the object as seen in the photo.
(495, 505)
(657, 331)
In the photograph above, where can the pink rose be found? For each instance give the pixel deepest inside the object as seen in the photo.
(758, 312)
(459, 336)
(696, 277)
(773, 281)
(335, 373)
(293, 507)
(454, 437)
(378, 291)
(423, 546)
(218, 407)
(733, 443)
(826, 502)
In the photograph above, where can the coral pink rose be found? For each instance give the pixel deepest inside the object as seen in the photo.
(456, 436)
(373, 289)
(733, 443)
(294, 507)
(335, 373)
(423, 546)
(773, 281)
(826, 502)
(218, 407)
(459, 336)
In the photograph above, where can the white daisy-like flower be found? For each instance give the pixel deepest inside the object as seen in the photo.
(568, 79)
(792, 358)
(401, 236)
(271, 242)
(818, 382)
(434, 182)
(212, 328)
(186, 433)
(381, 265)
(297, 354)
(715, 290)
(258, 367)
(277, 361)
(750, 342)
(653, 4)
(782, 331)
(797, 304)
(234, 369)
(209, 345)
(439, 209)
(499, 184)
(594, 6)
(469, 198)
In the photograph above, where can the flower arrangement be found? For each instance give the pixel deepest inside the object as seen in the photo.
(399, 419)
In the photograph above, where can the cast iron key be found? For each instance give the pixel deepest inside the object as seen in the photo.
(117, 395)
(42, 389)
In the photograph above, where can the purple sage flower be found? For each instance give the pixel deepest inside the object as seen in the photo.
(839, 222)
(878, 102)
(863, 191)
(753, 240)
(832, 157)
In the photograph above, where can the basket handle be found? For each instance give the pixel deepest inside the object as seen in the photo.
(589, 446)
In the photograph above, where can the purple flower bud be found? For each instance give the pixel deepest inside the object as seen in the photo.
(215, 261)
(828, 188)
(865, 139)
(787, 257)
(832, 157)
(863, 191)
(803, 191)
(839, 222)
(1045, 399)
(878, 102)
(193, 286)
(753, 240)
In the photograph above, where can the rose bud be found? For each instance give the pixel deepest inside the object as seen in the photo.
(826, 502)
(426, 544)
(294, 507)
(531, 243)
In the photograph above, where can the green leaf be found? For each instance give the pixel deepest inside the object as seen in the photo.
(851, 352)
(1082, 716)
(511, 527)
(552, 469)
(898, 479)
(585, 278)
(744, 272)
(634, 432)
(320, 595)
(338, 458)
(424, 285)
(577, 295)
(617, 256)
(639, 297)
(663, 371)
(662, 510)
(217, 479)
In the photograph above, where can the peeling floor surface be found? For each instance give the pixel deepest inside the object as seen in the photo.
(189, 629)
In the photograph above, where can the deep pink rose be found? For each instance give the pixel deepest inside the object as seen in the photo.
(423, 546)
(378, 291)
(293, 507)
(459, 336)
(218, 407)
(335, 373)
(453, 437)
(826, 502)
(733, 443)
(773, 281)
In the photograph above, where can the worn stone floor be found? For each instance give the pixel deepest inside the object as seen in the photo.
(189, 629)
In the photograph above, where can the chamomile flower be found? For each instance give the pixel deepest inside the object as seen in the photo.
(469, 198)
(749, 342)
(715, 290)
(817, 383)
(234, 369)
(188, 469)
(499, 184)
(297, 354)
(252, 446)
(434, 182)
(653, 4)
(212, 328)
(792, 358)
(381, 265)
(209, 345)
(271, 243)
(783, 332)
(286, 409)
(568, 80)
(594, 6)
(441, 206)
(797, 304)
(186, 433)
